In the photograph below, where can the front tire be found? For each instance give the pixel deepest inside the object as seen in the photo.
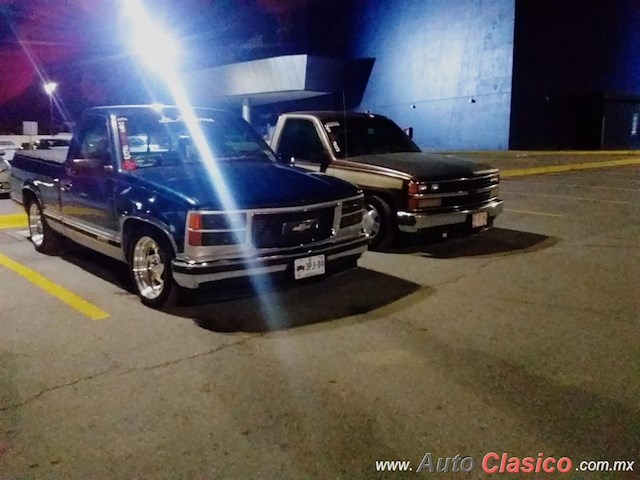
(150, 256)
(44, 239)
(379, 223)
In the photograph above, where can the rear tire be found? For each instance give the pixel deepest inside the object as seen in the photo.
(149, 259)
(44, 239)
(379, 223)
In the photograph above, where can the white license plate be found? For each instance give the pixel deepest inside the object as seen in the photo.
(308, 267)
(479, 219)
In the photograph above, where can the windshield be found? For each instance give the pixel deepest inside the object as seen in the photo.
(150, 139)
(366, 136)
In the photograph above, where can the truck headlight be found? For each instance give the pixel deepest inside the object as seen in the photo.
(209, 229)
(420, 188)
(352, 212)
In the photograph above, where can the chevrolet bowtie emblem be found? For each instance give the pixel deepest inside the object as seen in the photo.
(303, 226)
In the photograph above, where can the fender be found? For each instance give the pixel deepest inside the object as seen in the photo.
(164, 228)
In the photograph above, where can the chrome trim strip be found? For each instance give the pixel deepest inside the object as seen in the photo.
(361, 212)
(485, 174)
(348, 253)
(95, 244)
(192, 282)
(218, 231)
(454, 194)
(53, 216)
(91, 229)
(299, 208)
(413, 222)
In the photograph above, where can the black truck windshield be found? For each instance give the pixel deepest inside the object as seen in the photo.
(150, 139)
(367, 136)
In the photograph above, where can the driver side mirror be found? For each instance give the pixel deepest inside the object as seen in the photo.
(409, 132)
(285, 159)
(323, 158)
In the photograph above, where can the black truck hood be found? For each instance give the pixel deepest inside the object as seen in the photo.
(424, 165)
(251, 185)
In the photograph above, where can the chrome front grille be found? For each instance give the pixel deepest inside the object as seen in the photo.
(460, 194)
(470, 185)
(292, 229)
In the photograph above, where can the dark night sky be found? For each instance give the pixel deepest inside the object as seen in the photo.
(83, 45)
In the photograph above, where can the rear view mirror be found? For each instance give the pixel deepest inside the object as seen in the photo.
(409, 132)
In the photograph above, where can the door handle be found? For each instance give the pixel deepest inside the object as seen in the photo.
(65, 185)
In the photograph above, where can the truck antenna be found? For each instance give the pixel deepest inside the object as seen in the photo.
(344, 115)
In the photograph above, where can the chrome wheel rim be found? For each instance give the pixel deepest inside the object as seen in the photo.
(36, 228)
(371, 221)
(148, 268)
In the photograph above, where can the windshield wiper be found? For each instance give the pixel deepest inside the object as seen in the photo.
(253, 156)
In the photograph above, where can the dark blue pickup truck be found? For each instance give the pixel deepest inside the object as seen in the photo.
(185, 199)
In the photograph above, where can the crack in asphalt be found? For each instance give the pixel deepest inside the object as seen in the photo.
(611, 314)
(54, 388)
(111, 369)
(194, 356)
(477, 269)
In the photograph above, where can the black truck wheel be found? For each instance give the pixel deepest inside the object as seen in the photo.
(150, 256)
(379, 222)
(40, 233)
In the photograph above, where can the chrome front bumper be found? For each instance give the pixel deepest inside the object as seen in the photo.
(193, 274)
(413, 222)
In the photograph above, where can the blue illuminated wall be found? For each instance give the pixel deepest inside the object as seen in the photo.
(441, 67)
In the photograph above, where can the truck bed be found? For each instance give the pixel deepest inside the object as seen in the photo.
(41, 168)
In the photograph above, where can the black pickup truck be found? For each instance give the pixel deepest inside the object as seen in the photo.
(405, 189)
(186, 198)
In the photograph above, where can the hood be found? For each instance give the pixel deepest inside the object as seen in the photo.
(251, 184)
(424, 165)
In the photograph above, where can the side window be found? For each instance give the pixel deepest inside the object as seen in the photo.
(93, 142)
(300, 140)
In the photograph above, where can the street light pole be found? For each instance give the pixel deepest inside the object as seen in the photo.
(50, 88)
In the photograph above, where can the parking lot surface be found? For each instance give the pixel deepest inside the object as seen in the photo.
(521, 339)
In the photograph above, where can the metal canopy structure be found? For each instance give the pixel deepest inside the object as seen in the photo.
(266, 81)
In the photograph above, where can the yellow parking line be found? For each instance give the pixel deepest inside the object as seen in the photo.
(14, 220)
(521, 172)
(61, 293)
(567, 197)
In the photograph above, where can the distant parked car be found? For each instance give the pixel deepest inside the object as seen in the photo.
(5, 169)
(9, 149)
(50, 143)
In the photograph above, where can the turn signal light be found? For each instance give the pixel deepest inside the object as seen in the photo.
(195, 227)
(420, 203)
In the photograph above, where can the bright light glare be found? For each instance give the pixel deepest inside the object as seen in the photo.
(154, 45)
(170, 75)
(50, 87)
(152, 39)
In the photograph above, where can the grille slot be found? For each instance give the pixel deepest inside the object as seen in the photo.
(470, 199)
(268, 232)
(469, 184)
(468, 194)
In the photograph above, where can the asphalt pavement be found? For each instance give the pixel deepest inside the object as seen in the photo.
(520, 340)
